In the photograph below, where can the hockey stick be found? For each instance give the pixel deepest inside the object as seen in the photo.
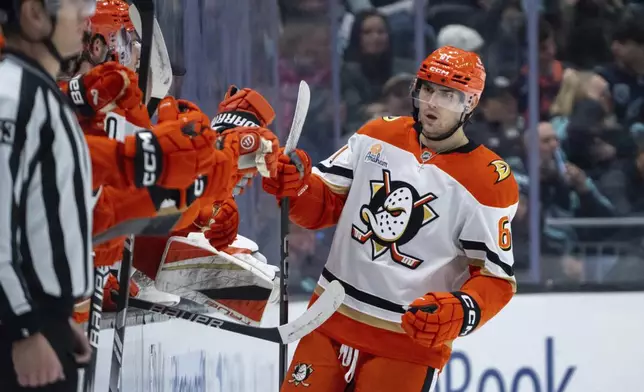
(159, 62)
(94, 325)
(151, 226)
(301, 109)
(314, 316)
(147, 20)
(121, 315)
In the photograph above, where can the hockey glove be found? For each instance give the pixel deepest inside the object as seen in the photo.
(220, 223)
(172, 155)
(258, 150)
(243, 108)
(437, 318)
(104, 88)
(292, 176)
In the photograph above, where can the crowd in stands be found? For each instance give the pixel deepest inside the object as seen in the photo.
(591, 114)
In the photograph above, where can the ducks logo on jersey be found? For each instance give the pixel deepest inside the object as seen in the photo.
(393, 217)
(301, 372)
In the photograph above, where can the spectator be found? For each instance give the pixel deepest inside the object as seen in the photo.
(294, 10)
(496, 122)
(576, 86)
(623, 184)
(460, 36)
(565, 192)
(626, 74)
(550, 73)
(396, 97)
(502, 31)
(369, 63)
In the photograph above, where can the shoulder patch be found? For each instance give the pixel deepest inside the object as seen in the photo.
(390, 118)
(501, 168)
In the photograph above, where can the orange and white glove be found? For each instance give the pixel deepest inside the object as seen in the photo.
(258, 150)
(104, 88)
(220, 223)
(216, 182)
(243, 108)
(437, 318)
(293, 173)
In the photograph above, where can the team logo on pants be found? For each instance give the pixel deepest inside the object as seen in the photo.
(393, 217)
(300, 373)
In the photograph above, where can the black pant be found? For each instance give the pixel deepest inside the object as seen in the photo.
(61, 338)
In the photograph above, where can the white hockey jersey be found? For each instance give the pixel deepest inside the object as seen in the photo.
(412, 222)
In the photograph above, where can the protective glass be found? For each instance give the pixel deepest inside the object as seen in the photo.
(85, 7)
(437, 95)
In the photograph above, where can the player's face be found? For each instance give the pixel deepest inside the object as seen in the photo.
(439, 109)
(71, 21)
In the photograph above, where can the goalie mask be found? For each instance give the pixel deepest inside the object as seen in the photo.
(448, 85)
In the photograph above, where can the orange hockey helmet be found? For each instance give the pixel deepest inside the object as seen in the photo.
(455, 69)
(111, 33)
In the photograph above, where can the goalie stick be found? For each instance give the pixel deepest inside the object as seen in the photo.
(152, 226)
(301, 109)
(284, 334)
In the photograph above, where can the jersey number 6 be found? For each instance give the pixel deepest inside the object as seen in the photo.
(505, 237)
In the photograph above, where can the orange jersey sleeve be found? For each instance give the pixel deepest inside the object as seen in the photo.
(107, 162)
(321, 204)
(491, 293)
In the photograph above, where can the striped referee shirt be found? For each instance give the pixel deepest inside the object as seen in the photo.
(45, 200)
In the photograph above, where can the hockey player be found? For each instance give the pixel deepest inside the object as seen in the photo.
(217, 219)
(423, 245)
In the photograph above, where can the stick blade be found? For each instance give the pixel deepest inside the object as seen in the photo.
(316, 315)
(153, 226)
(301, 109)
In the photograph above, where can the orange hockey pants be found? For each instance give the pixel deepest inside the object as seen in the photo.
(321, 364)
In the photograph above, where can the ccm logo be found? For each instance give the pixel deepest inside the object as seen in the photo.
(149, 158)
(470, 314)
(438, 71)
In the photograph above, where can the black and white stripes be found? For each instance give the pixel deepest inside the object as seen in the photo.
(45, 200)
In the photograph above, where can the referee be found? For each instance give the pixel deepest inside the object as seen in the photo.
(45, 199)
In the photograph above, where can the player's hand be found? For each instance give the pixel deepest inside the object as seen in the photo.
(171, 109)
(437, 318)
(292, 176)
(258, 150)
(220, 227)
(171, 156)
(82, 349)
(35, 362)
(243, 108)
(107, 87)
(112, 286)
